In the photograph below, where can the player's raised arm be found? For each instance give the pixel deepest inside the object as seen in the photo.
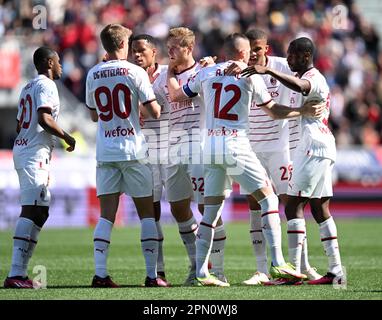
(174, 89)
(278, 111)
(292, 82)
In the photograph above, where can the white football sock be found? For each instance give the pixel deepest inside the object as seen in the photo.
(149, 243)
(32, 244)
(160, 261)
(270, 220)
(205, 238)
(328, 234)
(305, 266)
(21, 238)
(102, 234)
(217, 250)
(259, 243)
(187, 231)
(296, 237)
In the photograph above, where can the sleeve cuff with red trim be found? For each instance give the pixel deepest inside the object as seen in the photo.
(263, 104)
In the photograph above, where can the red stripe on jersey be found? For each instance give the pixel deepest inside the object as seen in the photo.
(263, 133)
(261, 121)
(295, 231)
(259, 115)
(258, 128)
(264, 140)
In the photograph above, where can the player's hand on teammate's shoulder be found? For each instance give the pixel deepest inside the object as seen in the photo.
(235, 68)
(207, 61)
(151, 73)
(313, 108)
(70, 141)
(255, 69)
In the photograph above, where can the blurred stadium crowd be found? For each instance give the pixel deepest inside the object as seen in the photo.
(347, 45)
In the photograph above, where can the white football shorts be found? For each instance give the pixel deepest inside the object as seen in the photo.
(159, 180)
(311, 177)
(130, 177)
(243, 168)
(278, 167)
(185, 181)
(34, 180)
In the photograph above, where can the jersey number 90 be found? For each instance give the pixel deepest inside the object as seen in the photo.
(112, 104)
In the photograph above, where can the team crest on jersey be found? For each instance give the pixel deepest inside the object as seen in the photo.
(273, 81)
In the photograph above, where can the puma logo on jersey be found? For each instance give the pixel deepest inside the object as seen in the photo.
(100, 250)
(150, 250)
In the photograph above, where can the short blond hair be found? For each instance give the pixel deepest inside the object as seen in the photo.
(185, 36)
(113, 35)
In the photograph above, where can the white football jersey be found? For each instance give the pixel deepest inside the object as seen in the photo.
(187, 117)
(33, 143)
(267, 134)
(316, 137)
(227, 101)
(156, 130)
(115, 88)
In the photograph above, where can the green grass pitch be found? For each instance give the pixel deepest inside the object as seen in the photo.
(67, 255)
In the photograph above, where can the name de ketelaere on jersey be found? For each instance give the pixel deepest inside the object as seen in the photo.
(115, 88)
(316, 137)
(227, 101)
(267, 134)
(33, 143)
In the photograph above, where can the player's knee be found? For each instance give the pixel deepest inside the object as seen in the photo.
(41, 216)
(269, 203)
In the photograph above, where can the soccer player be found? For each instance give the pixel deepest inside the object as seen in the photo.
(37, 128)
(185, 179)
(269, 140)
(314, 157)
(113, 91)
(144, 51)
(228, 155)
